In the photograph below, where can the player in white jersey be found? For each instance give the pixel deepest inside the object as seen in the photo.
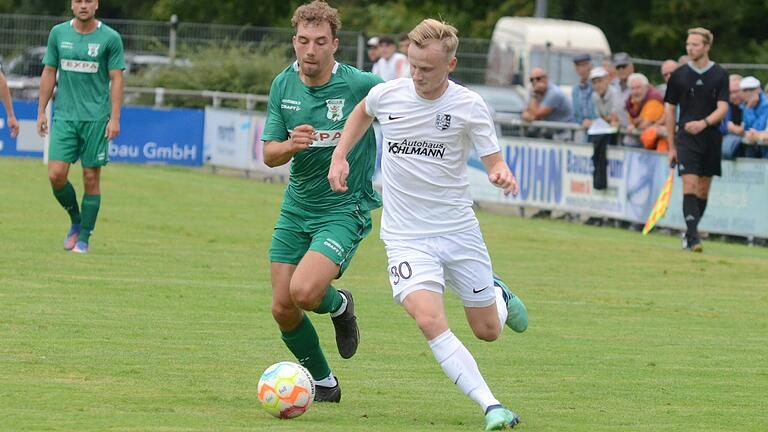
(430, 231)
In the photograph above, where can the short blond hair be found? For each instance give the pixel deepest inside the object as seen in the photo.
(701, 31)
(432, 29)
(317, 12)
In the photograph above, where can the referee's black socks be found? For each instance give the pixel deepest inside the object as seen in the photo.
(702, 206)
(692, 214)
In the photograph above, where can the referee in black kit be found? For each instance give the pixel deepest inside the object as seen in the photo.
(700, 89)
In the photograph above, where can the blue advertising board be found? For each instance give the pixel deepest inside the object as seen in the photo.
(558, 176)
(28, 143)
(147, 135)
(159, 136)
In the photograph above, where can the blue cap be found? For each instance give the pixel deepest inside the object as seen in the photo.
(578, 58)
(621, 58)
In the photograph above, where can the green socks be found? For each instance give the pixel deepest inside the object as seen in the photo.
(67, 197)
(305, 345)
(89, 210)
(332, 301)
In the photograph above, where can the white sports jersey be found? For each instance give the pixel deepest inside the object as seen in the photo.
(424, 157)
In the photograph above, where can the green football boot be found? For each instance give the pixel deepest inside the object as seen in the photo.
(500, 418)
(517, 314)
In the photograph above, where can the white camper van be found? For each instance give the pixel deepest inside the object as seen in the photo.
(521, 43)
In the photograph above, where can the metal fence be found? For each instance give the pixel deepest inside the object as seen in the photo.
(22, 32)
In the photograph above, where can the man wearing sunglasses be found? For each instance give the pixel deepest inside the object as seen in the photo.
(546, 100)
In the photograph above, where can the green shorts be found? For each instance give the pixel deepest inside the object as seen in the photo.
(334, 235)
(73, 140)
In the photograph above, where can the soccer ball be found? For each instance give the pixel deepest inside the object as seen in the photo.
(286, 390)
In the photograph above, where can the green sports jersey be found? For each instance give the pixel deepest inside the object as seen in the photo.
(83, 62)
(326, 108)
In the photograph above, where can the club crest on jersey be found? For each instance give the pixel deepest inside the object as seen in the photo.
(93, 50)
(443, 121)
(335, 109)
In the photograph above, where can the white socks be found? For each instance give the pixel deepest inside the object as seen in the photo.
(329, 381)
(457, 362)
(342, 308)
(501, 306)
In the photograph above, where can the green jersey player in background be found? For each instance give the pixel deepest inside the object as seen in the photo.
(88, 56)
(318, 231)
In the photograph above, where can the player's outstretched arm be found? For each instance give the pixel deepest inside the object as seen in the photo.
(357, 123)
(5, 97)
(277, 153)
(47, 82)
(499, 173)
(116, 95)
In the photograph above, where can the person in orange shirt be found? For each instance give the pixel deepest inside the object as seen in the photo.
(645, 107)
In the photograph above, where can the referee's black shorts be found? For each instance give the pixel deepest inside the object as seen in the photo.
(699, 154)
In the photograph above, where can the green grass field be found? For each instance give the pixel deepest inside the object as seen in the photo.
(166, 324)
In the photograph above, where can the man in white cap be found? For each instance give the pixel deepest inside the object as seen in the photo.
(608, 104)
(606, 98)
(754, 113)
(373, 52)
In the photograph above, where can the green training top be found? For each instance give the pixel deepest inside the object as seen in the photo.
(326, 108)
(83, 62)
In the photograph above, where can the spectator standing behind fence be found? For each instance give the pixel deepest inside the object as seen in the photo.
(611, 69)
(644, 107)
(607, 102)
(5, 97)
(754, 113)
(624, 68)
(700, 89)
(546, 100)
(581, 95)
(731, 127)
(658, 132)
(372, 46)
(667, 67)
(391, 65)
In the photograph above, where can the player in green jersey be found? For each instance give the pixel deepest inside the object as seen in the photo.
(88, 56)
(318, 230)
(10, 116)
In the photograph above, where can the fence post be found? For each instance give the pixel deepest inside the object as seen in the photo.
(250, 102)
(159, 96)
(172, 38)
(361, 51)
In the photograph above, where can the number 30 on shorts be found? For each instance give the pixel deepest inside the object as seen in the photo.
(400, 271)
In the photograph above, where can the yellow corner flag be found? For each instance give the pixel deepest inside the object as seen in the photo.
(660, 208)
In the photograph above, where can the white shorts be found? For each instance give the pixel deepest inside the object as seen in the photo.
(459, 261)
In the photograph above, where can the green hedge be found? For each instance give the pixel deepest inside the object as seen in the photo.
(224, 67)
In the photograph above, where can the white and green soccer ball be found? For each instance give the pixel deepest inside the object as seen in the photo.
(286, 390)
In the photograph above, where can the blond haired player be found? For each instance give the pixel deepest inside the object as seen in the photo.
(430, 231)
